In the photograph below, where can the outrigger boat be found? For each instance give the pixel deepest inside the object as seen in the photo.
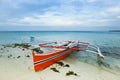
(58, 51)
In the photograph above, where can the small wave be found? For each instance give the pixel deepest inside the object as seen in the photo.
(113, 52)
(111, 63)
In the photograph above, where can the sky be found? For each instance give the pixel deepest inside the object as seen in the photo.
(61, 15)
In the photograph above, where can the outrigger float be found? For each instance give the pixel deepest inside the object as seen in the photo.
(58, 51)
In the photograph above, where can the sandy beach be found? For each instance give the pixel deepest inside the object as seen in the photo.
(16, 64)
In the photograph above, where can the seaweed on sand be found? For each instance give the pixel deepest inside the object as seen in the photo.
(60, 63)
(71, 73)
(9, 56)
(0, 55)
(1, 48)
(23, 45)
(28, 56)
(38, 50)
(54, 69)
(67, 65)
(18, 56)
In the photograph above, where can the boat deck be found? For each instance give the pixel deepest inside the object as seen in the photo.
(49, 51)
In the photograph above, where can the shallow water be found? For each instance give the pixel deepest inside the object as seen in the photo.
(109, 43)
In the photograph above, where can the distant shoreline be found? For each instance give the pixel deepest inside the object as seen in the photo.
(54, 31)
(114, 31)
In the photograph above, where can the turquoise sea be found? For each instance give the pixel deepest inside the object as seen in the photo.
(109, 43)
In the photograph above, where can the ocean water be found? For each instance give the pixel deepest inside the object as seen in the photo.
(109, 43)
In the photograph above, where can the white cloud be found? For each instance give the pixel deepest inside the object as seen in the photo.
(81, 13)
(114, 9)
(16, 4)
(118, 17)
(56, 21)
(67, 16)
(92, 0)
(48, 20)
